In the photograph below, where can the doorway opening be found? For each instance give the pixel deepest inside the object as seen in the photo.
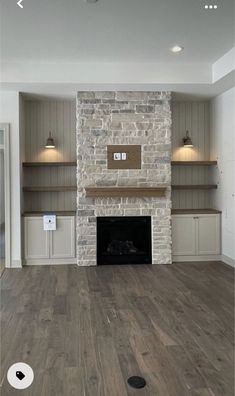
(5, 259)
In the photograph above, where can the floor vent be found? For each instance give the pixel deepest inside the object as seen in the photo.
(136, 382)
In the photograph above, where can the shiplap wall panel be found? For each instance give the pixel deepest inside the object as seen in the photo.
(194, 117)
(41, 117)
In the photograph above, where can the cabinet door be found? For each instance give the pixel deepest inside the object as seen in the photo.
(63, 239)
(208, 234)
(183, 235)
(36, 240)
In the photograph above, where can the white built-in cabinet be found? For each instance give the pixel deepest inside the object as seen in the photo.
(49, 247)
(195, 236)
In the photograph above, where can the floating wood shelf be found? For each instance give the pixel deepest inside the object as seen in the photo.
(95, 192)
(56, 212)
(37, 164)
(49, 188)
(193, 163)
(194, 211)
(194, 186)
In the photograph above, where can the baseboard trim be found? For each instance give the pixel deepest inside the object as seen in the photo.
(216, 257)
(50, 262)
(228, 260)
(16, 264)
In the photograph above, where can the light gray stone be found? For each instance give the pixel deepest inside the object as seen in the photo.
(106, 183)
(115, 126)
(90, 101)
(85, 213)
(99, 132)
(105, 95)
(107, 118)
(144, 109)
(93, 123)
(155, 102)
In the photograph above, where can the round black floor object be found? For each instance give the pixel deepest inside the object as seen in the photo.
(136, 382)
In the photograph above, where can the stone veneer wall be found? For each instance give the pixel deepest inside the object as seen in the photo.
(108, 118)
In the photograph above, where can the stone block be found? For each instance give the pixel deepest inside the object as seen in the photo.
(129, 126)
(132, 212)
(87, 111)
(132, 96)
(86, 95)
(105, 95)
(93, 123)
(90, 101)
(101, 162)
(106, 183)
(85, 212)
(144, 109)
(92, 219)
(130, 117)
(155, 102)
(144, 126)
(126, 111)
(99, 132)
(115, 126)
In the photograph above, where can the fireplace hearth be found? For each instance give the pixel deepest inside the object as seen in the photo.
(124, 240)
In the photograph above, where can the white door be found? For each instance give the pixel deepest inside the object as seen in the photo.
(36, 239)
(63, 239)
(208, 234)
(183, 235)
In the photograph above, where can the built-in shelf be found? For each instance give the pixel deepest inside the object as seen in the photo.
(57, 213)
(49, 188)
(37, 164)
(194, 163)
(194, 211)
(95, 192)
(194, 186)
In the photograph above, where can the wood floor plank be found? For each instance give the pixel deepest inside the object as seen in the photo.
(84, 331)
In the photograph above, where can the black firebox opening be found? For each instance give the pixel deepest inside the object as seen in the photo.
(124, 240)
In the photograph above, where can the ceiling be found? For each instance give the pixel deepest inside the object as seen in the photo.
(124, 42)
(115, 30)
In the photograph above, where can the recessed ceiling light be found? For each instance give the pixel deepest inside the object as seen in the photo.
(177, 48)
(206, 6)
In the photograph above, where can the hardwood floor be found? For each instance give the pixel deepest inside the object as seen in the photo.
(84, 331)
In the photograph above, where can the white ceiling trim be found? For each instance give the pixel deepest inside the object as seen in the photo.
(199, 80)
(106, 73)
(223, 66)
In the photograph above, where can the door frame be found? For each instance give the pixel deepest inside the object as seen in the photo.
(7, 182)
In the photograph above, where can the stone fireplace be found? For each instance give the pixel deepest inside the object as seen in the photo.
(123, 118)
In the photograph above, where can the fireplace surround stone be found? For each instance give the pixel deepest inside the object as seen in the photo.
(123, 118)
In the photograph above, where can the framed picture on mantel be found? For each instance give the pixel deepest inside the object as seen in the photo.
(124, 157)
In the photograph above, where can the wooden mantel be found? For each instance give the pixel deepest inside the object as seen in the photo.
(95, 192)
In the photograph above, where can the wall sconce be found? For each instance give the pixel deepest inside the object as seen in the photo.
(187, 140)
(50, 144)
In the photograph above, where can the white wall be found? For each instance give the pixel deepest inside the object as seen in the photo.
(223, 148)
(9, 113)
(2, 195)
